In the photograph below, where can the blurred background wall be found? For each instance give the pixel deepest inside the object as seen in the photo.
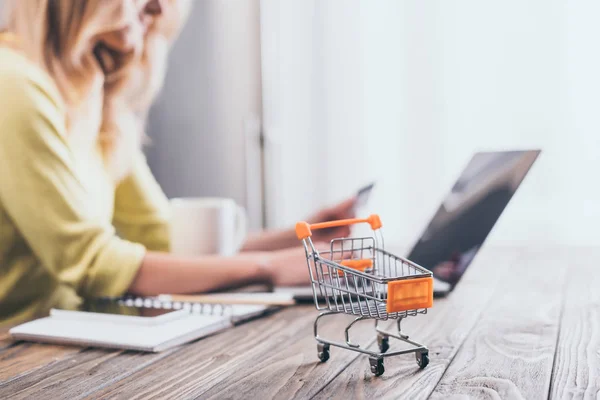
(403, 92)
(205, 125)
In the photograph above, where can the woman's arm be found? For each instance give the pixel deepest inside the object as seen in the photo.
(141, 209)
(271, 240)
(164, 273)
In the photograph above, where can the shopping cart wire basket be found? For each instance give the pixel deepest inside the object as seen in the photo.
(356, 276)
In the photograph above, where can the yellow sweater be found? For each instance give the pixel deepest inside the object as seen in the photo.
(59, 209)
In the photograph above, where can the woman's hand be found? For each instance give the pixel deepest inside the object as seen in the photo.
(288, 267)
(343, 210)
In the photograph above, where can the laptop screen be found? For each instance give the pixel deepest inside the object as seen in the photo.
(469, 212)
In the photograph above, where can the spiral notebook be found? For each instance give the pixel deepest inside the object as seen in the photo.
(238, 313)
(141, 324)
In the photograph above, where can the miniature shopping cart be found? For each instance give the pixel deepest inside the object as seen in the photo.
(358, 277)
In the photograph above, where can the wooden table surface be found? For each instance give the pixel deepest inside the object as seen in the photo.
(523, 323)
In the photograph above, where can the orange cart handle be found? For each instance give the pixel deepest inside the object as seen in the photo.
(304, 229)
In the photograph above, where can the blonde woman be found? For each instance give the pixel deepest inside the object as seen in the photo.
(81, 215)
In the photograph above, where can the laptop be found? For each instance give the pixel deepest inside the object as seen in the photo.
(465, 218)
(467, 215)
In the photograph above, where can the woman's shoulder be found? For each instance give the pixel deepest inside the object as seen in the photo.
(26, 92)
(24, 85)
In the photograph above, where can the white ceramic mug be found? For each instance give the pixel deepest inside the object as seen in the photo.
(201, 226)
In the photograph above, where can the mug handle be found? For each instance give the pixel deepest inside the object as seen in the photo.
(241, 227)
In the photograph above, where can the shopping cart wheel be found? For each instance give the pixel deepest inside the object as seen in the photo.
(323, 351)
(383, 342)
(376, 366)
(422, 359)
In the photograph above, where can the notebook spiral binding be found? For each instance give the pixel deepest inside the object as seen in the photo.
(154, 302)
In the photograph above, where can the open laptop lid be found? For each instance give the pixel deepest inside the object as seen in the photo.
(470, 211)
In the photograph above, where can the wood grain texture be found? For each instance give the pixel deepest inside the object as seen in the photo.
(20, 358)
(23, 358)
(495, 337)
(442, 330)
(293, 370)
(6, 341)
(510, 351)
(576, 372)
(78, 375)
(268, 358)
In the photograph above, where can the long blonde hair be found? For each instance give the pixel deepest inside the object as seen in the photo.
(107, 110)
